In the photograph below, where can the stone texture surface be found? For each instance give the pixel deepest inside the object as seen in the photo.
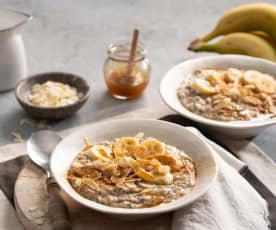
(72, 36)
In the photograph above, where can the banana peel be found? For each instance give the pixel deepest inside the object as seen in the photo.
(256, 44)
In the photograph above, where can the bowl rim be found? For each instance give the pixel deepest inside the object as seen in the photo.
(177, 204)
(206, 121)
(84, 97)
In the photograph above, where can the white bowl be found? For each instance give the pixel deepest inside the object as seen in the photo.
(172, 134)
(180, 72)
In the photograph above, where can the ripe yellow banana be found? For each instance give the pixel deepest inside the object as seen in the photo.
(251, 17)
(239, 43)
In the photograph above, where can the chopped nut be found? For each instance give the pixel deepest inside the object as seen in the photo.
(17, 137)
(53, 94)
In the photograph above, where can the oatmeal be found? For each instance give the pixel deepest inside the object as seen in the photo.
(229, 95)
(132, 172)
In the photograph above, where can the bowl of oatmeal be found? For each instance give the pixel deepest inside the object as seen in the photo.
(233, 95)
(136, 169)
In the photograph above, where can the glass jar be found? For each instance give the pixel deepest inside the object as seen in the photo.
(126, 80)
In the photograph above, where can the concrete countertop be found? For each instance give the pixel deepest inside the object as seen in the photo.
(72, 36)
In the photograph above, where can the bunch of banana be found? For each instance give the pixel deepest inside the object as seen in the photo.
(248, 29)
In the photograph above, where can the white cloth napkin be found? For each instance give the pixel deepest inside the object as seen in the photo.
(231, 203)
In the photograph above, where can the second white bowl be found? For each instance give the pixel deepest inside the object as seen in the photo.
(182, 71)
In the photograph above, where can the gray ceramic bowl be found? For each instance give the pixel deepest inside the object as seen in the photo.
(23, 90)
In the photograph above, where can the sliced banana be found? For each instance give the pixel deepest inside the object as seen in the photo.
(141, 152)
(266, 84)
(162, 170)
(151, 171)
(169, 160)
(203, 86)
(250, 76)
(232, 75)
(153, 146)
(100, 152)
(150, 177)
(125, 146)
(211, 76)
(263, 82)
(166, 179)
(87, 143)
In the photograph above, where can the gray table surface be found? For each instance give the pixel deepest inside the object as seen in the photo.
(72, 36)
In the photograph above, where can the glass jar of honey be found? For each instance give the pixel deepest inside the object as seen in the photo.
(124, 79)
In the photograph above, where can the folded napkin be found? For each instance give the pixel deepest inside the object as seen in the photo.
(231, 203)
(8, 173)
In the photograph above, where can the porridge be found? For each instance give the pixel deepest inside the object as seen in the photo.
(229, 95)
(132, 172)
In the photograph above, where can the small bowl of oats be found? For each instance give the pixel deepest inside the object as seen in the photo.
(233, 95)
(134, 168)
(53, 95)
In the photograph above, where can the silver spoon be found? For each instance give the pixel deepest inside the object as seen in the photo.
(40, 147)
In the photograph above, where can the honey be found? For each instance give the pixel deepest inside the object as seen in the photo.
(123, 86)
(121, 83)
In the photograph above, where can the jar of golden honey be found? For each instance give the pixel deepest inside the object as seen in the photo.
(124, 79)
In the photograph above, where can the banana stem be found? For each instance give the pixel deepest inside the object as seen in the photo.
(198, 46)
(199, 42)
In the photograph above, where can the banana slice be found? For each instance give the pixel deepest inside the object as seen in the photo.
(250, 76)
(232, 75)
(100, 152)
(150, 177)
(169, 160)
(266, 84)
(141, 152)
(210, 75)
(263, 82)
(153, 146)
(162, 170)
(150, 170)
(125, 146)
(87, 143)
(203, 86)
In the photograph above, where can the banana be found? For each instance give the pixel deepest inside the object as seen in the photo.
(141, 152)
(210, 75)
(232, 75)
(203, 86)
(125, 146)
(99, 152)
(250, 17)
(153, 146)
(262, 82)
(240, 43)
(87, 143)
(171, 161)
(151, 170)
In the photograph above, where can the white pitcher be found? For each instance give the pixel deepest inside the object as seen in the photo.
(12, 52)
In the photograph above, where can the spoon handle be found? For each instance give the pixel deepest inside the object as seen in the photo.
(57, 209)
